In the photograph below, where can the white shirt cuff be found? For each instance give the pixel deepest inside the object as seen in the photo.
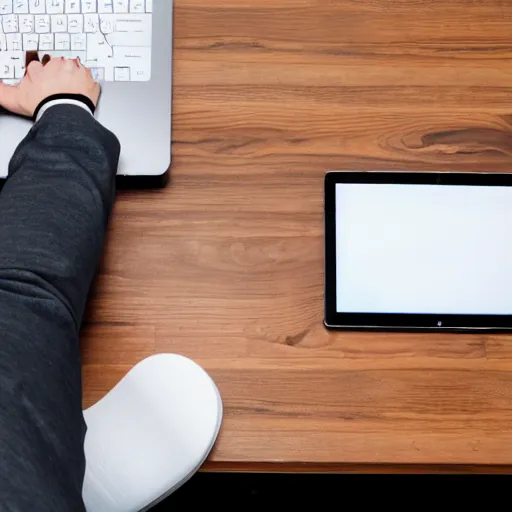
(50, 104)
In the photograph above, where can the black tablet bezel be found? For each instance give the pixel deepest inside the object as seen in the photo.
(395, 321)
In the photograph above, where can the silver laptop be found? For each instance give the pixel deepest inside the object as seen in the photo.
(128, 46)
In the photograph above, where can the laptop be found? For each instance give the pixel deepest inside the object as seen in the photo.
(128, 46)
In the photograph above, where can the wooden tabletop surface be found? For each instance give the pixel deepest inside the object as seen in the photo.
(225, 265)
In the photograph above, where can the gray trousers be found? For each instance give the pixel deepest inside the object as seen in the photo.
(54, 210)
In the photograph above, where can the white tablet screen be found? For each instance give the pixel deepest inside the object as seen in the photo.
(435, 249)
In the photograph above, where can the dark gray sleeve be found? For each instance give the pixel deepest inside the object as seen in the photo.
(55, 205)
(54, 210)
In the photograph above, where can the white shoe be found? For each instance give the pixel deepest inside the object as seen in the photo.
(150, 434)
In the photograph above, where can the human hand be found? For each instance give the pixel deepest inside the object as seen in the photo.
(58, 76)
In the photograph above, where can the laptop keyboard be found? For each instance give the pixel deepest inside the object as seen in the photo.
(112, 37)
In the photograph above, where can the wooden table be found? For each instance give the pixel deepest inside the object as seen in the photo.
(226, 264)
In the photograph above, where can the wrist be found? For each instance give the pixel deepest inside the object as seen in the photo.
(79, 100)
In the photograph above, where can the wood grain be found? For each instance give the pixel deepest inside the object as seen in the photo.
(226, 264)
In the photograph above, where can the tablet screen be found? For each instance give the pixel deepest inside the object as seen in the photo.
(423, 249)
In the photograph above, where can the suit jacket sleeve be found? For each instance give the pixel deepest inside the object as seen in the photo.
(55, 206)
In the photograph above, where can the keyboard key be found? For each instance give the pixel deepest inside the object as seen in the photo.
(3, 43)
(55, 6)
(98, 74)
(107, 23)
(105, 6)
(78, 42)
(46, 42)
(26, 22)
(59, 23)
(62, 41)
(73, 7)
(6, 66)
(121, 74)
(6, 7)
(42, 22)
(121, 6)
(37, 6)
(149, 5)
(30, 42)
(91, 23)
(10, 23)
(75, 23)
(20, 6)
(14, 42)
(89, 6)
(133, 23)
(137, 6)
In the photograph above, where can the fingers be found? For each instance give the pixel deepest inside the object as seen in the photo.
(96, 92)
(52, 64)
(46, 78)
(29, 58)
(33, 69)
(69, 65)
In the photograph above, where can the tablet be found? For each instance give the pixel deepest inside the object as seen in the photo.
(418, 251)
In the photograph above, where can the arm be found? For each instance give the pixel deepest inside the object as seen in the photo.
(59, 193)
(55, 206)
(54, 209)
